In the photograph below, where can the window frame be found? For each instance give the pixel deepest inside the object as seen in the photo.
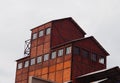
(34, 36)
(20, 65)
(101, 60)
(46, 57)
(76, 52)
(94, 57)
(26, 63)
(59, 52)
(68, 50)
(41, 34)
(39, 60)
(32, 61)
(85, 53)
(53, 55)
(48, 31)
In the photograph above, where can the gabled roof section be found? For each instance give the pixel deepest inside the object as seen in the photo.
(82, 39)
(68, 18)
(71, 19)
(97, 43)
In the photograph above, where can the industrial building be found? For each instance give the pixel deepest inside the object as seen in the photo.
(58, 51)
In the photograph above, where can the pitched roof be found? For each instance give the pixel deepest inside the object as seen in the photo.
(97, 43)
(68, 18)
(71, 19)
(82, 39)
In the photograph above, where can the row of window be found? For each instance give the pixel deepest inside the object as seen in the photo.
(41, 33)
(87, 54)
(45, 57)
(68, 50)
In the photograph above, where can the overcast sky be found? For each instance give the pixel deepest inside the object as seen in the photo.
(100, 18)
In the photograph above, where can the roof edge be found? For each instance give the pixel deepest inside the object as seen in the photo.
(70, 18)
(99, 45)
(51, 21)
(80, 39)
(22, 58)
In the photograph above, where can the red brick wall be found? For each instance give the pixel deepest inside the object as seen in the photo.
(64, 31)
(82, 65)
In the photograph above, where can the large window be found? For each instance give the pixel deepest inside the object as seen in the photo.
(46, 57)
(48, 31)
(101, 60)
(39, 59)
(32, 61)
(68, 50)
(19, 65)
(34, 36)
(93, 57)
(60, 52)
(41, 33)
(53, 55)
(76, 50)
(85, 53)
(26, 64)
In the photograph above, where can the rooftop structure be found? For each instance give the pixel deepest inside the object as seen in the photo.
(59, 51)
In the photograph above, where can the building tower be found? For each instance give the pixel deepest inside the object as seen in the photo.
(60, 52)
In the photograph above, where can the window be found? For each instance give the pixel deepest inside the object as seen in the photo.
(53, 55)
(102, 60)
(26, 64)
(68, 50)
(93, 57)
(39, 59)
(32, 61)
(46, 57)
(48, 30)
(76, 50)
(34, 36)
(85, 53)
(60, 52)
(41, 33)
(19, 65)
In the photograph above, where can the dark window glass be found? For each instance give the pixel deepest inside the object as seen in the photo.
(26, 64)
(76, 50)
(60, 52)
(53, 55)
(101, 60)
(41, 33)
(34, 36)
(48, 31)
(85, 53)
(32, 61)
(19, 65)
(46, 57)
(93, 57)
(68, 50)
(39, 59)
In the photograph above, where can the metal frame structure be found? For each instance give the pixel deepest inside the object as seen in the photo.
(27, 47)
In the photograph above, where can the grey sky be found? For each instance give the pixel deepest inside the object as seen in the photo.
(99, 18)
